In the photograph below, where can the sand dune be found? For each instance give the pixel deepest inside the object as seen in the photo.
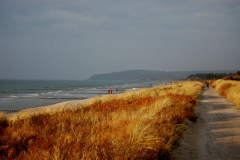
(48, 108)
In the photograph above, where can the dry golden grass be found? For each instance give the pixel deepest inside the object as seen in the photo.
(142, 125)
(229, 89)
(192, 88)
(211, 82)
(237, 78)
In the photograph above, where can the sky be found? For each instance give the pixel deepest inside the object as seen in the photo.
(74, 39)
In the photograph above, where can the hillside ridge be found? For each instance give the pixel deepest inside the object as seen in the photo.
(150, 75)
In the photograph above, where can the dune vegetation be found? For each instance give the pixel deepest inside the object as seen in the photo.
(145, 124)
(229, 89)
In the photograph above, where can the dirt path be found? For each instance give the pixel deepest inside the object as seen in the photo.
(216, 134)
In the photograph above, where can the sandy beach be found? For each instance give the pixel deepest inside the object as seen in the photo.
(48, 108)
(62, 105)
(57, 107)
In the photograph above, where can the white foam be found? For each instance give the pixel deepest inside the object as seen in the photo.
(136, 88)
(58, 91)
(30, 95)
(11, 96)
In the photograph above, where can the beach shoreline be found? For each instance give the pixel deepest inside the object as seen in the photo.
(16, 96)
(58, 106)
(63, 105)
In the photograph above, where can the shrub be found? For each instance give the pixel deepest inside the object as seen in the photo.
(3, 122)
(236, 78)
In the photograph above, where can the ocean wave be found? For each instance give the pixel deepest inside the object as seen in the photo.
(7, 97)
(6, 92)
(10, 97)
(59, 91)
(29, 95)
(76, 86)
(90, 93)
(39, 89)
(60, 98)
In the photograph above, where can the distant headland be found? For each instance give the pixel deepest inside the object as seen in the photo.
(142, 75)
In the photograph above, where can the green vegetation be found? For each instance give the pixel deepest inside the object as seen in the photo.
(237, 73)
(209, 76)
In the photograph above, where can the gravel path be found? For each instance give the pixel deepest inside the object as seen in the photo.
(216, 134)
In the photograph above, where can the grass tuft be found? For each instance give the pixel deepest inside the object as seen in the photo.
(229, 89)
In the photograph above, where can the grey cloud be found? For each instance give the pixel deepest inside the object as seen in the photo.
(55, 39)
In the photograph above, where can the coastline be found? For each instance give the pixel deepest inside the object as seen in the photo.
(139, 114)
(48, 108)
(57, 106)
(63, 105)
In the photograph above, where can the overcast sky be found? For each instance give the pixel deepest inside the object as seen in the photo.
(74, 39)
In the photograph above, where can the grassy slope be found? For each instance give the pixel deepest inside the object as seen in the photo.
(229, 89)
(141, 125)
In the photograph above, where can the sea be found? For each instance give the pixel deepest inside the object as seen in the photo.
(23, 94)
